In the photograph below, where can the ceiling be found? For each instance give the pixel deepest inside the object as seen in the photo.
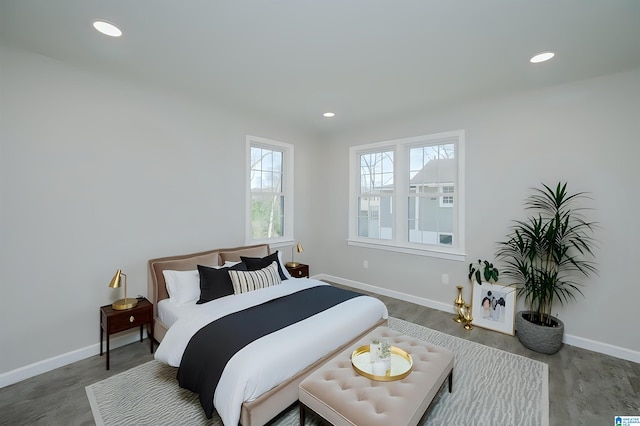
(292, 60)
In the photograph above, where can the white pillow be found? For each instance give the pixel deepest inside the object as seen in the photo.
(245, 281)
(182, 286)
(285, 271)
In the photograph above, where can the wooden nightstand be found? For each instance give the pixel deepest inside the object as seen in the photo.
(299, 271)
(112, 321)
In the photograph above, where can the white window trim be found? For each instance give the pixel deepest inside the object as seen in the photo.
(398, 242)
(287, 188)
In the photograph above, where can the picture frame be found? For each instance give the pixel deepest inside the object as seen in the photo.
(494, 307)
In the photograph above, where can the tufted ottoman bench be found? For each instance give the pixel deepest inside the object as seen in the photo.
(340, 395)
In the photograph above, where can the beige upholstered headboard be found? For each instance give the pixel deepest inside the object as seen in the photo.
(186, 262)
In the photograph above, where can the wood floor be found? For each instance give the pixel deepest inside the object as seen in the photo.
(585, 388)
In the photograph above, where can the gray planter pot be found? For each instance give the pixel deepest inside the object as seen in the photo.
(546, 340)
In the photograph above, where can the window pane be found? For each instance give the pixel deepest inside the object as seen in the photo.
(266, 170)
(376, 172)
(267, 217)
(432, 175)
(428, 221)
(375, 218)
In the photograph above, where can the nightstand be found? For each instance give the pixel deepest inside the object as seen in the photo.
(299, 271)
(113, 321)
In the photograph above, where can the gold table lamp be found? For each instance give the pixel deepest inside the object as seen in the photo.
(298, 248)
(122, 304)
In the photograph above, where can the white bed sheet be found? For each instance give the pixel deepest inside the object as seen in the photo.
(268, 361)
(169, 312)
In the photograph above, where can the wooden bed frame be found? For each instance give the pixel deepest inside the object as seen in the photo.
(270, 404)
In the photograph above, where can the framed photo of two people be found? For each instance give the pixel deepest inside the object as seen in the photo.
(494, 307)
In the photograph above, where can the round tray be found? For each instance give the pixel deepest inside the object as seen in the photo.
(401, 364)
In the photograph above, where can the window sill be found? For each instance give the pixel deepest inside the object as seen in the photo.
(439, 254)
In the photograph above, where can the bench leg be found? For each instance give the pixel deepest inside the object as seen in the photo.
(450, 380)
(301, 413)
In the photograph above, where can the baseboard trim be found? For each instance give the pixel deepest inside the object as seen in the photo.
(386, 292)
(580, 342)
(31, 370)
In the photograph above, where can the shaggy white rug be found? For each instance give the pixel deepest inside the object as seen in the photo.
(491, 387)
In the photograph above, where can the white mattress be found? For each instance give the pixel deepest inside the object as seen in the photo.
(264, 364)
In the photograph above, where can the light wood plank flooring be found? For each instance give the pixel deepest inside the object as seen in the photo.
(585, 388)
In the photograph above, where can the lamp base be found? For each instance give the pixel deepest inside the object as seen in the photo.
(122, 304)
(292, 264)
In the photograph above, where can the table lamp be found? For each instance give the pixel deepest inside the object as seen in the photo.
(122, 304)
(297, 247)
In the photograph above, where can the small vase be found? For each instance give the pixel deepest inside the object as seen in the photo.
(468, 317)
(457, 304)
(387, 365)
(374, 351)
(378, 368)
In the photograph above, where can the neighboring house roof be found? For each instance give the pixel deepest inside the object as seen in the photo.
(436, 171)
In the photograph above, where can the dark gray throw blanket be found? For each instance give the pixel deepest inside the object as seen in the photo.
(213, 345)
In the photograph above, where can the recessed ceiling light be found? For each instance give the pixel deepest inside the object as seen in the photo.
(107, 28)
(329, 114)
(541, 57)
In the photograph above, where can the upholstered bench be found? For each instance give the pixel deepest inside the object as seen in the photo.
(340, 395)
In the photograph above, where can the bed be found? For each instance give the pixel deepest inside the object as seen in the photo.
(252, 389)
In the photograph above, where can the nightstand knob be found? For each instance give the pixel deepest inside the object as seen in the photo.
(131, 318)
(299, 272)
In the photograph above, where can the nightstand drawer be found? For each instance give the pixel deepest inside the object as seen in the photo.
(129, 320)
(299, 271)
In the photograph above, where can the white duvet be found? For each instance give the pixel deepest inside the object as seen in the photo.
(268, 361)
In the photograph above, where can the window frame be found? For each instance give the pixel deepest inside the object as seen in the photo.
(287, 237)
(400, 241)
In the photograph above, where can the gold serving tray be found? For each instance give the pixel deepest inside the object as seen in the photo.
(401, 364)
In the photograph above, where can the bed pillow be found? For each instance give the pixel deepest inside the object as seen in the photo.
(182, 286)
(245, 281)
(215, 282)
(255, 263)
(282, 266)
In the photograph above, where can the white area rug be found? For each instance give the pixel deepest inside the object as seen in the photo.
(490, 387)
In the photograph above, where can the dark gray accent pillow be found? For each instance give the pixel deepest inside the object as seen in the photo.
(256, 263)
(216, 283)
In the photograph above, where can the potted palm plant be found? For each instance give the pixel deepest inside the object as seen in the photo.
(545, 256)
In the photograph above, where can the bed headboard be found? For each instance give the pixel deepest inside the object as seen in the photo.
(157, 288)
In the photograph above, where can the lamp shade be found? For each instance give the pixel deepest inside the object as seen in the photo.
(115, 281)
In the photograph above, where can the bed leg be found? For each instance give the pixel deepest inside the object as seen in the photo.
(450, 380)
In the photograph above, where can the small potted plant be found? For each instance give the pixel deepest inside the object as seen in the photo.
(483, 271)
(385, 355)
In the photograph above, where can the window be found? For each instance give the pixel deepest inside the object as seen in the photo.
(407, 195)
(447, 200)
(270, 191)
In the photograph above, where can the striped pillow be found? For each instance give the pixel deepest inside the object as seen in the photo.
(245, 281)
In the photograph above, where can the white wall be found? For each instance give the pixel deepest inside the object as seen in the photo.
(585, 133)
(98, 174)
